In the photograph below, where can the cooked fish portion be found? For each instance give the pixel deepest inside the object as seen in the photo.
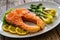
(17, 16)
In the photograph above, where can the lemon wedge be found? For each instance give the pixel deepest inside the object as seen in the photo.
(12, 29)
(5, 27)
(20, 31)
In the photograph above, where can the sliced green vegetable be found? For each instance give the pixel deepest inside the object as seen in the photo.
(33, 6)
(46, 15)
(47, 20)
(53, 12)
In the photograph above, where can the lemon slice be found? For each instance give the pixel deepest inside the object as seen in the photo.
(12, 29)
(20, 31)
(5, 27)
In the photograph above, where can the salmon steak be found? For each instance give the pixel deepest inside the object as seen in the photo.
(19, 15)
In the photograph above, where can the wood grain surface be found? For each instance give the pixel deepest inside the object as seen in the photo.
(53, 34)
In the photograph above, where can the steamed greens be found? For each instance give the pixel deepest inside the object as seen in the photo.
(46, 15)
(4, 21)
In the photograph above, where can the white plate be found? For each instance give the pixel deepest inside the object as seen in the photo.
(47, 28)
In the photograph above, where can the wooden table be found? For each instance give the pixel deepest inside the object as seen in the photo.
(53, 34)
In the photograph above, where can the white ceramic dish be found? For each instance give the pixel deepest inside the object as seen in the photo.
(47, 28)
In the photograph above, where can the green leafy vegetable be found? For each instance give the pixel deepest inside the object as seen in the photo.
(4, 21)
(46, 15)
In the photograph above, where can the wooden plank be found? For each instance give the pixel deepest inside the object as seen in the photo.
(2, 2)
(35, 0)
(12, 3)
(2, 37)
(26, 1)
(2, 10)
(57, 1)
(48, 0)
(58, 29)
